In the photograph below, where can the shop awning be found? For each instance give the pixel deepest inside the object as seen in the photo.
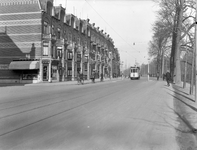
(24, 65)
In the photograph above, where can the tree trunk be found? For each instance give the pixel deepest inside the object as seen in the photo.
(163, 64)
(172, 56)
(177, 50)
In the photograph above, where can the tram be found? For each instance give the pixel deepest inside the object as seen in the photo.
(135, 73)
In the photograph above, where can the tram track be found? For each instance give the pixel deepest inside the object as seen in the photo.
(57, 95)
(53, 115)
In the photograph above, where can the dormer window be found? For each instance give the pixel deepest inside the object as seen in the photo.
(68, 20)
(72, 22)
(88, 32)
(80, 28)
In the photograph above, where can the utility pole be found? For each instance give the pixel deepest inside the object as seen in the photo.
(195, 47)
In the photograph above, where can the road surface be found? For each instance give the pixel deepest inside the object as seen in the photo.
(111, 115)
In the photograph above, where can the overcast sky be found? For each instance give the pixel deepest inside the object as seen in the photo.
(128, 22)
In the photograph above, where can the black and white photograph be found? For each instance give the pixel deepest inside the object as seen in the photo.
(98, 75)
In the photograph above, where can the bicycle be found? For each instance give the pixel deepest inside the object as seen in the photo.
(80, 80)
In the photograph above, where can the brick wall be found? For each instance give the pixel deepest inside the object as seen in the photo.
(20, 32)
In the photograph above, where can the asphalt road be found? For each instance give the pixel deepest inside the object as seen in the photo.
(113, 115)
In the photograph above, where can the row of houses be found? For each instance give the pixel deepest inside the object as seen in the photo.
(39, 42)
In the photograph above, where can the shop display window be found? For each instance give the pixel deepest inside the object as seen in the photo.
(30, 75)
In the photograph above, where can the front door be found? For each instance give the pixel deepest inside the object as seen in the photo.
(45, 73)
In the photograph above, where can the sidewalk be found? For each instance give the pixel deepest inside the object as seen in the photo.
(57, 83)
(186, 110)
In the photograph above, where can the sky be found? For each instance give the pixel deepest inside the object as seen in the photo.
(128, 22)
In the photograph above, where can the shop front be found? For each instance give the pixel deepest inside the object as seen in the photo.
(55, 75)
(28, 70)
(51, 72)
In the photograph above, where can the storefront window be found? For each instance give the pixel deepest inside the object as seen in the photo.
(30, 75)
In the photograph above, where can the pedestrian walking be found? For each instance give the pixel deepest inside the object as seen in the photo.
(101, 77)
(168, 77)
(93, 77)
(80, 79)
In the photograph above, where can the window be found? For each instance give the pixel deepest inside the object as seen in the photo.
(69, 37)
(30, 75)
(69, 72)
(59, 52)
(133, 70)
(78, 57)
(58, 33)
(86, 59)
(88, 30)
(81, 28)
(65, 35)
(70, 55)
(45, 49)
(72, 22)
(69, 65)
(53, 52)
(46, 29)
(86, 67)
(53, 30)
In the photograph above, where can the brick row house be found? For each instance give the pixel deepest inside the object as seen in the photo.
(39, 42)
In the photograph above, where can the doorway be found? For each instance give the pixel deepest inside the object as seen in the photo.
(45, 73)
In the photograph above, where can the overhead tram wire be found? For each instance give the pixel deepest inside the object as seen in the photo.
(110, 26)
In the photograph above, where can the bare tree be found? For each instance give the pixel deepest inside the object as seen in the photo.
(178, 17)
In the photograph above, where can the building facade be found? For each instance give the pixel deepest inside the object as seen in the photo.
(39, 42)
